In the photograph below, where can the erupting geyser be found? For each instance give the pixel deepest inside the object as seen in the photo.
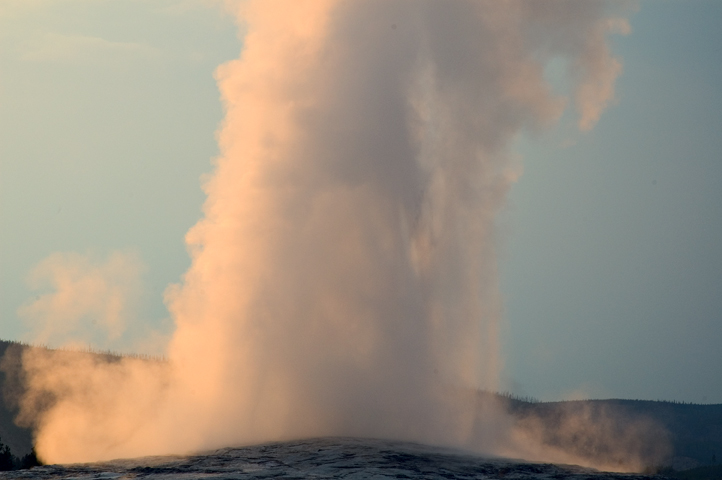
(343, 279)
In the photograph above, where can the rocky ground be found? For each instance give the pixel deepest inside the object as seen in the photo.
(330, 458)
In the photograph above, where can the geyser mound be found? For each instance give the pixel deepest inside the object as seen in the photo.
(324, 458)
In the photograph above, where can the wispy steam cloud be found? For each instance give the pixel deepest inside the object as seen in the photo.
(90, 300)
(343, 278)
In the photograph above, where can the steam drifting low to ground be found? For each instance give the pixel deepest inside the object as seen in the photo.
(343, 278)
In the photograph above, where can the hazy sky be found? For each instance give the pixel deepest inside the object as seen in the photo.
(611, 243)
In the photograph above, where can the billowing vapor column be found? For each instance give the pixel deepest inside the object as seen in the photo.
(343, 278)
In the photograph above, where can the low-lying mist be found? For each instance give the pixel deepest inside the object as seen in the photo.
(344, 276)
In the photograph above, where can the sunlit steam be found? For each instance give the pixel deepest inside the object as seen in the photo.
(92, 301)
(343, 278)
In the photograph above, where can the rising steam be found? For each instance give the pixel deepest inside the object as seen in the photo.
(343, 278)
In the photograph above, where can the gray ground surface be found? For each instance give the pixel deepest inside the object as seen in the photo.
(328, 458)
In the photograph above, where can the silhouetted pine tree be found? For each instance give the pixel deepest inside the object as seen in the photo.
(7, 461)
(30, 460)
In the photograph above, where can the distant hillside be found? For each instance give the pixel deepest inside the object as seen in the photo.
(694, 432)
(18, 439)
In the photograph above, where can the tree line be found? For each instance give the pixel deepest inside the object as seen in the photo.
(8, 461)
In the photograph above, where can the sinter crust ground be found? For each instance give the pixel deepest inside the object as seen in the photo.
(328, 458)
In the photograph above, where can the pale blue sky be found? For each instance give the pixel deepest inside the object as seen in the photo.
(613, 270)
(612, 260)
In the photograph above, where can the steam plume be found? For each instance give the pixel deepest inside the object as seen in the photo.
(92, 301)
(343, 278)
